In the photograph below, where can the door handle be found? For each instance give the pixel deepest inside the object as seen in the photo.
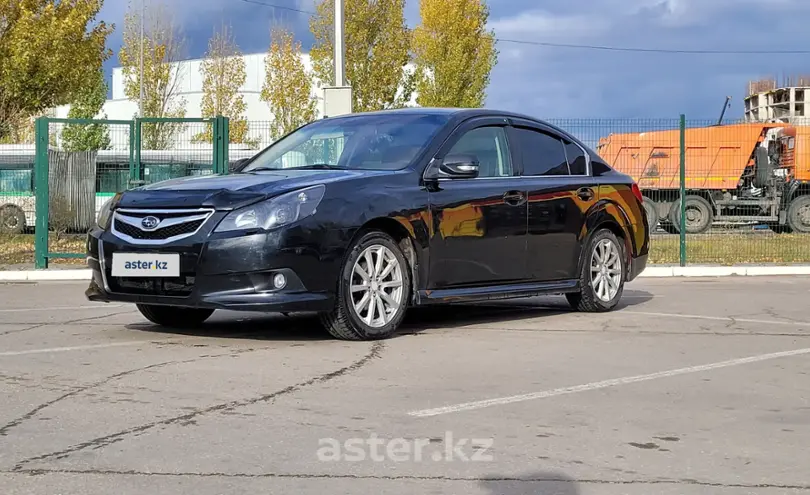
(514, 198)
(585, 193)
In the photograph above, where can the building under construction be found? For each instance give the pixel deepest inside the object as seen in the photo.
(768, 100)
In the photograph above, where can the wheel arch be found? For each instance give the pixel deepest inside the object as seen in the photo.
(610, 216)
(402, 233)
(797, 188)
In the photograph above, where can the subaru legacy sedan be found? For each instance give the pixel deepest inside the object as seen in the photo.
(359, 217)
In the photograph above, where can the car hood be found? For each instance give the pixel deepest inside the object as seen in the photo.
(227, 192)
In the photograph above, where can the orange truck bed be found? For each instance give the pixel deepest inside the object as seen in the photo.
(715, 156)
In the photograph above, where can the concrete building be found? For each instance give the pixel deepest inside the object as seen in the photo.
(119, 107)
(787, 102)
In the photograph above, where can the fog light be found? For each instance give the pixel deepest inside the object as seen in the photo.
(279, 281)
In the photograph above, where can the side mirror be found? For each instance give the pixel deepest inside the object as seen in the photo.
(457, 166)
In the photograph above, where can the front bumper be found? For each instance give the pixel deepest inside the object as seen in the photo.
(234, 273)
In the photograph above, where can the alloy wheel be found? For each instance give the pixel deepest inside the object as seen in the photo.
(376, 286)
(606, 270)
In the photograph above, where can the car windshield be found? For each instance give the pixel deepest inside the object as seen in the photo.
(360, 142)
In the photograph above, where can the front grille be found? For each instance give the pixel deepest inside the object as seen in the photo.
(174, 286)
(170, 224)
(158, 234)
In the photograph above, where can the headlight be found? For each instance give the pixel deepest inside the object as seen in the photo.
(275, 212)
(105, 213)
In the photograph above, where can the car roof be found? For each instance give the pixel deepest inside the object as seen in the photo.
(461, 114)
(455, 113)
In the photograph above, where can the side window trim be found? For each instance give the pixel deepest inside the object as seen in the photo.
(537, 126)
(471, 125)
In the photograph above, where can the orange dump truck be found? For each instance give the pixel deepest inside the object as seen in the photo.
(740, 173)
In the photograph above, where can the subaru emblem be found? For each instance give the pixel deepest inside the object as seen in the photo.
(150, 222)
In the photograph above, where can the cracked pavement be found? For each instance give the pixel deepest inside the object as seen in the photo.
(98, 401)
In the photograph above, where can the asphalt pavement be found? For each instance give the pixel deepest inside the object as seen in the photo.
(692, 386)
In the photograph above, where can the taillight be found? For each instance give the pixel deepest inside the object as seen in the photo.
(637, 192)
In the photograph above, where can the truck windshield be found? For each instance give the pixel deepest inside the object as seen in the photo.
(361, 142)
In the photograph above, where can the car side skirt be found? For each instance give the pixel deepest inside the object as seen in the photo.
(470, 294)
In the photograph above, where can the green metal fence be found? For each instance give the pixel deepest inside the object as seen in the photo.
(725, 194)
(81, 163)
(736, 193)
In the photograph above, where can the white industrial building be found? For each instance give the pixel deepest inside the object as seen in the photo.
(257, 112)
(789, 101)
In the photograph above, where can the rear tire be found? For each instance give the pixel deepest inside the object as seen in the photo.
(652, 213)
(174, 317)
(699, 215)
(604, 270)
(373, 291)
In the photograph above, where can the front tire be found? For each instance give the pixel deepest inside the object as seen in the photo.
(603, 274)
(373, 291)
(174, 317)
(798, 215)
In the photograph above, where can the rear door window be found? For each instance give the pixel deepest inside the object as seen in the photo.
(542, 153)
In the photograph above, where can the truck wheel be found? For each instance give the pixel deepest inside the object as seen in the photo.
(798, 214)
(652, 213)
(699, 215)
(12, 220)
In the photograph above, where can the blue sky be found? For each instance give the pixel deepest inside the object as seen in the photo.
(577, 83)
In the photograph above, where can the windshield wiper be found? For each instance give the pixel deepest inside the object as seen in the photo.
(315, 166)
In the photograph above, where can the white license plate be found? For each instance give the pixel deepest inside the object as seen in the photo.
(145, 265)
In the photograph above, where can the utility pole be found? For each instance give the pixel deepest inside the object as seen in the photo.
(140, 77)
(340, 49)
(337, 99)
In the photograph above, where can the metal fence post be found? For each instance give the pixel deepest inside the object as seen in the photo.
(135, 170)
(226, 141)
(41, 193)
(682, 205)
(132, 141)
(216, 132)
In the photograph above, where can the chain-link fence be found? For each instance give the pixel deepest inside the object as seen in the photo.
(746, 186)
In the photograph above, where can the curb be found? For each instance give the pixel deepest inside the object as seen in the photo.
(649, 272)
(45, 275)
(723, 271)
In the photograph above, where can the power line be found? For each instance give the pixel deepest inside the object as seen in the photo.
(655, 50)
(592, 47)
(282, 7)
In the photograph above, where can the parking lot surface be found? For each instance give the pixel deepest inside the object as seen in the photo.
(693, 386)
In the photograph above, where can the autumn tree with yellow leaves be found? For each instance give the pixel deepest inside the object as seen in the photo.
(453, 53)
(287, 87)
(377, 42)
(224, 74)
(49, 51)
(163, 47)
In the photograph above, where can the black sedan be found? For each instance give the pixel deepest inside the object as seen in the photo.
(361, 216)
